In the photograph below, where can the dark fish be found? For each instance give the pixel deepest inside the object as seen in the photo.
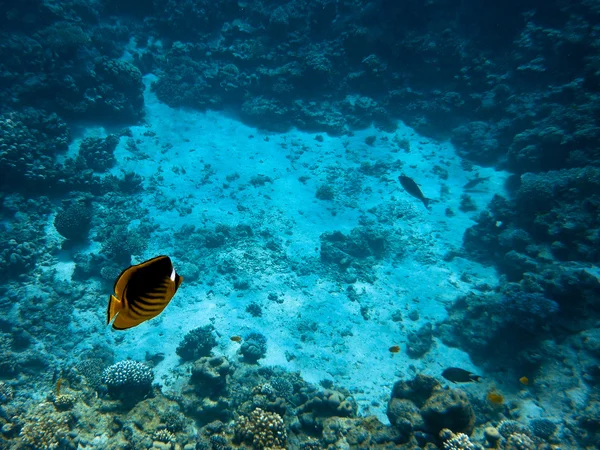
(413, 189)
(474, 182)
(457, 375)
(236, 338)
(142, 292)
(394, 349)
(154, 358)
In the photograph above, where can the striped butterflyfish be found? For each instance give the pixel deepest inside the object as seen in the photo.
(142, 292)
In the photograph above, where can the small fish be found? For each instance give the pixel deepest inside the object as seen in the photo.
(474, 182)
(524, 380)
(457, 375)
(394, 349)
(154, 358)
(495, 398)
(142, 292)
(236, 338)
(58, 385)
(57, 374)
(413, 189)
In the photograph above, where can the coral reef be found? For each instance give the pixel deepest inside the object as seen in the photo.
(64, 402)
(512, 85)
(356, 254)
(46, 429)
(6, 392)
(262, 429)
(197, 343)
(209, 374)
(73, 221)
(29, 142)
(420, 341)
(92, 369)
(120, 244)
(543, 428)
(234, 405)
(330, 403)
(253, 348)
(97, 153)
(128, 381)
(421, 404)
(458, 441)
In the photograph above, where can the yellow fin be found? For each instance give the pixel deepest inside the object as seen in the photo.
(114, 306)
(124, 321)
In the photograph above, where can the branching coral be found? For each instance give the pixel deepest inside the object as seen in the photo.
(64, 402)
(6, 392)
(510, 427)
(128, 380)
(262, 429)
(459, 441)
(91, 369)
(519, 441)
(45, 429)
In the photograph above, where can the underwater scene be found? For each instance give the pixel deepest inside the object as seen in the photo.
(299, 224)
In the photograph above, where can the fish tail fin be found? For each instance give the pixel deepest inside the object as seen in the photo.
(426, 202)
(476, 378)
(114, 306)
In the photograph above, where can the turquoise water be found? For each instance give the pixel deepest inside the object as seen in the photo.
(322, 300)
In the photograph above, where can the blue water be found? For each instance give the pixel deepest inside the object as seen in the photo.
(259, 145)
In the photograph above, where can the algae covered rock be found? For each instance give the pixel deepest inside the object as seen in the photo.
(448, 409)
(405, 416)
(422, 405)
(209, 374)
(330, 403)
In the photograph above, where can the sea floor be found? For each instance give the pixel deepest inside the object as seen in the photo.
(186, 157)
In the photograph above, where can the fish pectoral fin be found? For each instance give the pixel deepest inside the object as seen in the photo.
(114, 306)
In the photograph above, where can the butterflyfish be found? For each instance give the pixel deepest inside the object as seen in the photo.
(142, 292)
(524, 380)
(457, 375)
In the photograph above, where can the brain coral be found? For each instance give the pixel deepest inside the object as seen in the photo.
(73, 222)
(254, 348)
